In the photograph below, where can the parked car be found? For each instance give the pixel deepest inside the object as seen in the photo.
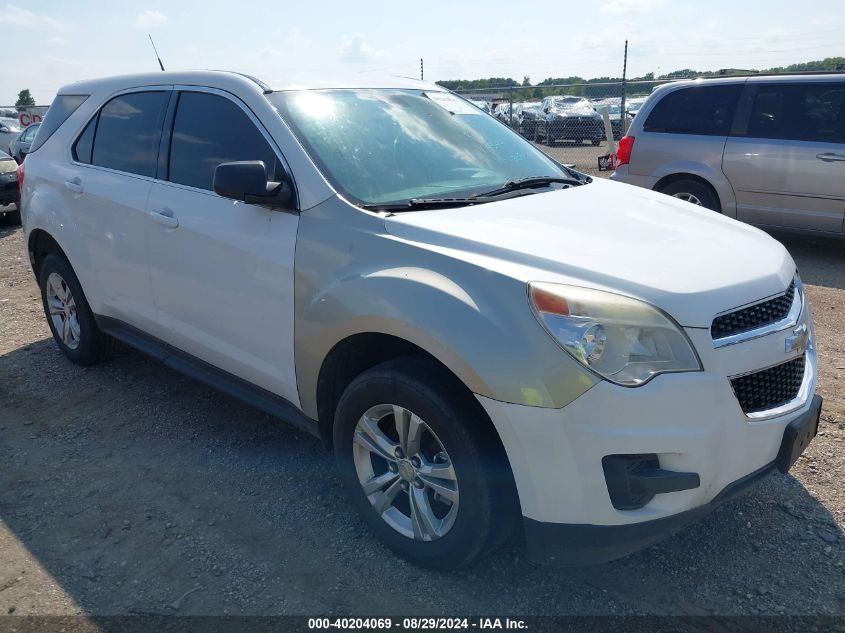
(481, 105)
(633, 105)
(766, 150)
(19, 147)
(481, 335)
(571, 119)
(9, 130)
(503, 113)
(614, 113)
(529, 117)
(8, 190)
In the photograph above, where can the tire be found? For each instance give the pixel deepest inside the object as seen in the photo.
(595, 142)
(82, 342)
(484, 506)
(693, 191)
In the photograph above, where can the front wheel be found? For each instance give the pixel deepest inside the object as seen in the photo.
(419, 465)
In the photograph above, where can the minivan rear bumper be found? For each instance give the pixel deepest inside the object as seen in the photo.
(623, 175)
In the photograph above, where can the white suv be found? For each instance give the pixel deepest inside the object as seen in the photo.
(484, 337)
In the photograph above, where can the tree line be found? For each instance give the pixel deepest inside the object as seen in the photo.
(593, 88)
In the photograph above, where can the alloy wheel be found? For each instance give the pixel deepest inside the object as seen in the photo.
(405, 472)
(62, 308)
(688, 197)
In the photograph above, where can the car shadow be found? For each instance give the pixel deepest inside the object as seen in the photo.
(137, 491)
(820, 260)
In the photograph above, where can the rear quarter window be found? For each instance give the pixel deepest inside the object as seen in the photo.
(62, 107)
(705, 110)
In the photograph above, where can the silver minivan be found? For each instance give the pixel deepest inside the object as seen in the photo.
(769, 150)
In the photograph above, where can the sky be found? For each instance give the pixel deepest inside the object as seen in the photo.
(50, 43)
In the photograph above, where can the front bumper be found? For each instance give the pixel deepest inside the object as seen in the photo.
(574, 128)
(9, 192)
(691, 422)
(576, 545)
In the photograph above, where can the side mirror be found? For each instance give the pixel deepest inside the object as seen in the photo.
(246, 181)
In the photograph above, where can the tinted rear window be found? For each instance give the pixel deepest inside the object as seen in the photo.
(129, 131)
(707, 110)
(63, 106)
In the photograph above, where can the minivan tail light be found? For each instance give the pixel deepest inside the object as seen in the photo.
(20, 176)
(623, 153)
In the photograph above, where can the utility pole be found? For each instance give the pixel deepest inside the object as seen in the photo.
(422, 75)
(623, 112)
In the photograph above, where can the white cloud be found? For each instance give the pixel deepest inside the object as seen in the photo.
(17, 16)
(356, 50)
(150, 19)
(629, 6)
(295, 37)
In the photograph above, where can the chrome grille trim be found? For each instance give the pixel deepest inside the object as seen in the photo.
(790, 320)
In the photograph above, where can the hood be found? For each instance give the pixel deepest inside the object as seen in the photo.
(691, 262)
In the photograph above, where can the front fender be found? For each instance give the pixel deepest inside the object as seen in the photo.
(355, 279)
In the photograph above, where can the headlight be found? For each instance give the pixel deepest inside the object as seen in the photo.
(622, 339)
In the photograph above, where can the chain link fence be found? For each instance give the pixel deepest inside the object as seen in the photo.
(567, 121)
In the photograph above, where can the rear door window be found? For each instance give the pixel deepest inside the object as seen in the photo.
(209, 130)
(128, 133)
(705, 110)
(84, 145)
(799, 112)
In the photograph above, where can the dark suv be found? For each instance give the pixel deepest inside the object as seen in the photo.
(571, 119)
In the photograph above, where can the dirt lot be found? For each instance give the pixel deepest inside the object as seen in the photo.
(128, 489)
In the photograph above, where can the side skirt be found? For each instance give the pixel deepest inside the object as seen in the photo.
(212, 376)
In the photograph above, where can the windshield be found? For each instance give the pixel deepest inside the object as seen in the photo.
(385, 146)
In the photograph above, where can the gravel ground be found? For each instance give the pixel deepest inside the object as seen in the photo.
(129, 489)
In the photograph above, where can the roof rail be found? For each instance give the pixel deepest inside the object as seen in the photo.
(751, 73)
(267, 89)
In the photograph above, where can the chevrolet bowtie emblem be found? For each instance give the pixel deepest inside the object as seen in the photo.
(797, 341)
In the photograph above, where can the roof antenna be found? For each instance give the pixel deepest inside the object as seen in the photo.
(156, 52)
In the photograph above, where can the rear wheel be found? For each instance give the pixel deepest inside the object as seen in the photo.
(68, 314)
(420, 466)
(694, 192)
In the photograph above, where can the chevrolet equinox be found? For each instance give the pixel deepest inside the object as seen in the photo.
(485, 338)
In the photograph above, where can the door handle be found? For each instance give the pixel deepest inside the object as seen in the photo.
(165, 217)
(830, 157)
(75, 185)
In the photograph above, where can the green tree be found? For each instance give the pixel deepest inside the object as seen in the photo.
(25, 100)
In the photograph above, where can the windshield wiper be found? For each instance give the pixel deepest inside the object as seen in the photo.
(529, 182)
(425, 203)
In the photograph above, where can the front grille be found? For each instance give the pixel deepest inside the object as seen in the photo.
(769, 388)
(753, 317)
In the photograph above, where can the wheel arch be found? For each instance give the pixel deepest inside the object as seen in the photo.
(355, 354)
(711, 177)
(40, 244)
